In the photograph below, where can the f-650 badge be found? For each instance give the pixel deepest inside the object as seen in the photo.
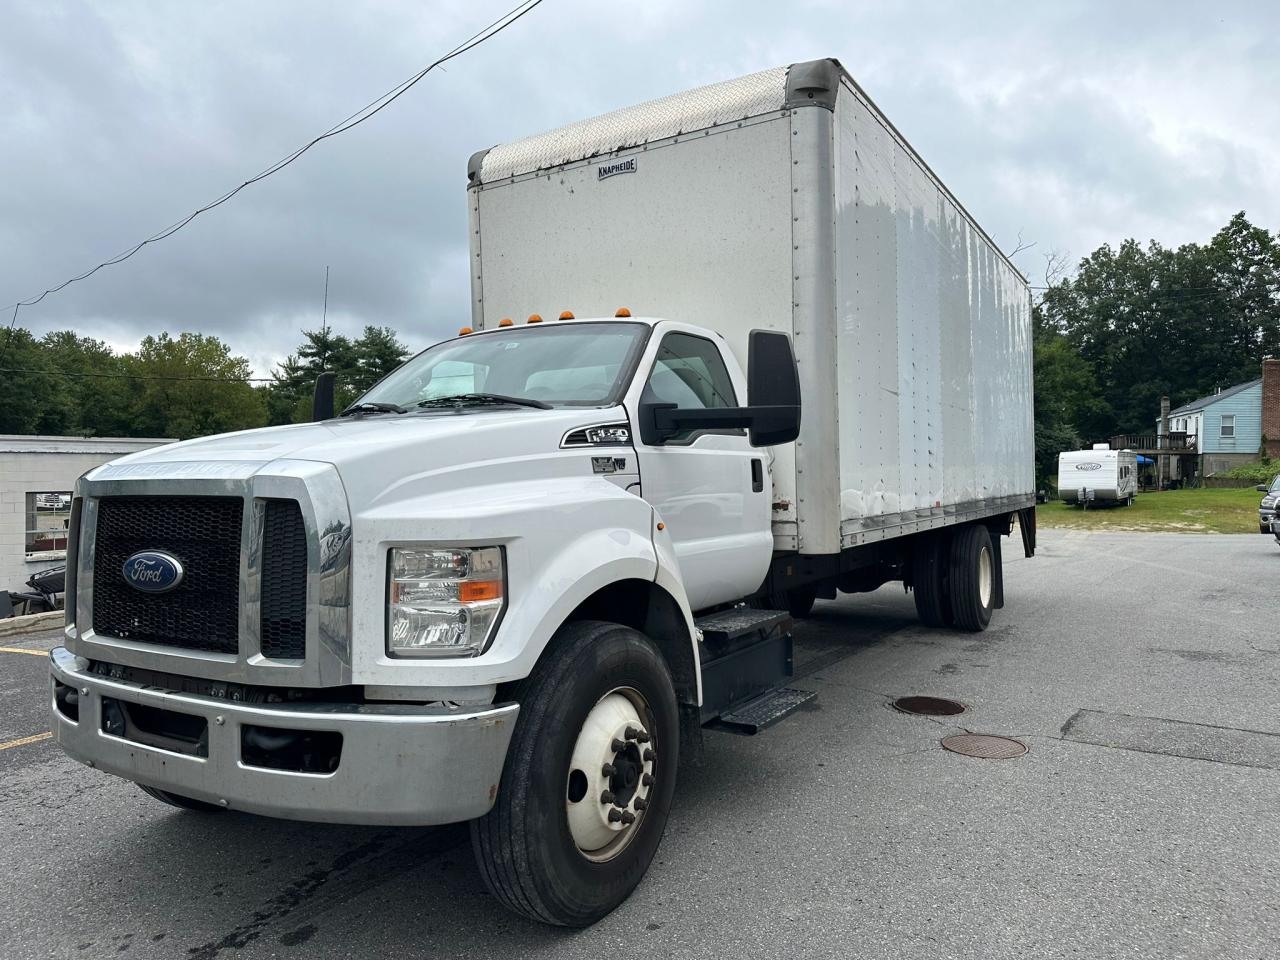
(613, 169)
(152, 571)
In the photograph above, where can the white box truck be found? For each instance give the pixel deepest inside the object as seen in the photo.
(1099, 475)
(515, 580)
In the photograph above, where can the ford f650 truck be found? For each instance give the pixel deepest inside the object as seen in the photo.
(516, 579)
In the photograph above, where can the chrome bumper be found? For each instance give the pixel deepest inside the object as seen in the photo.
(400, 763)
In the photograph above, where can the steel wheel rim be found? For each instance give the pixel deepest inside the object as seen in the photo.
(985, 576)
(608, 791)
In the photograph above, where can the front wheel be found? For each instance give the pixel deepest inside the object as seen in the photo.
(588, 781)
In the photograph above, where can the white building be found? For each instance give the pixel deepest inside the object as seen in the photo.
(36, 478)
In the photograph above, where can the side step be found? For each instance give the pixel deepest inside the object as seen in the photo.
(746, 662)
(764, 711)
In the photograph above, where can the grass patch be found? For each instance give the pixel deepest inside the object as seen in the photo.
(1172, 511)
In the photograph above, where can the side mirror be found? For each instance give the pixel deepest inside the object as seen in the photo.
(1261, 488)
(322, 400)
(773, 389)
(773, 392)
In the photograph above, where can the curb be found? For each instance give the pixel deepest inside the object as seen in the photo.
(11, 626)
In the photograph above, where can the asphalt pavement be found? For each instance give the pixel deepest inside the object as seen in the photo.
(1143, 672)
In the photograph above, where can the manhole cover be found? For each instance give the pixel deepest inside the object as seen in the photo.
(984, 746)
(929, 706)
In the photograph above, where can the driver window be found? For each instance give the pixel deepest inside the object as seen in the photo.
(689, 372)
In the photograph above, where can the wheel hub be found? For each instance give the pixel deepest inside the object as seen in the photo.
(611, 775)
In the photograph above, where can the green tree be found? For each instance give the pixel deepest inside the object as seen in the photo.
(359, 364)
(191, 386)
(33, 397)
(97, 399)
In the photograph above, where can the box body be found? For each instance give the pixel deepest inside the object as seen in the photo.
(785, 200)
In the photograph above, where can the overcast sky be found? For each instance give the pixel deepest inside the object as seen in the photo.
(1075, 124)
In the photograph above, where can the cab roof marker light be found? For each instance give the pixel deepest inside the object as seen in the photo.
(567, 315)
(623, 312)
(534, 318)
(463, 331)
(505, 322)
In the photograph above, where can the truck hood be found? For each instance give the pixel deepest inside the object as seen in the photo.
(377, 455)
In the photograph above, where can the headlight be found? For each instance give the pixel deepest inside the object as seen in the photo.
(443, 602)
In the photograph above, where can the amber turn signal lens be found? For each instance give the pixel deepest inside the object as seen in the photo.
(471, 591)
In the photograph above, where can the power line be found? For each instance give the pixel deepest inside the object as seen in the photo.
(138, 376)
(371, 109)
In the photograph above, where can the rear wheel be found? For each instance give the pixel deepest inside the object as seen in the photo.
(800, 602)
(178, 800)
(972, 577)
(929, 581)
(588, 780)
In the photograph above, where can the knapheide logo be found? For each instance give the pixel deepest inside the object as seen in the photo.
(613, 169)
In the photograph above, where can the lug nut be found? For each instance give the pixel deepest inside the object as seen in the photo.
(617, 746)
(608, 770)
(643, 736)
(631, 733)
(640, 803)
(649, 754)
(615, 815)
(647, 779)
(606, 797)
(628, 817)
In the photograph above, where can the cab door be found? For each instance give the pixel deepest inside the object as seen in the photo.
(709, 486)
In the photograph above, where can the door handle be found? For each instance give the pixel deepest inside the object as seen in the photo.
(757, 475)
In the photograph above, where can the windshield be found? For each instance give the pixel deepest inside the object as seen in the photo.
(572, 365)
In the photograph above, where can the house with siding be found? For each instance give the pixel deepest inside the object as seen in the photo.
(1226, 425)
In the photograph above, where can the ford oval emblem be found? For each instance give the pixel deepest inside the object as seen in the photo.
(152, 571)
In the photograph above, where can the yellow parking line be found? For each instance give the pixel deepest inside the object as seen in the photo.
(22, 742)
(37, 653)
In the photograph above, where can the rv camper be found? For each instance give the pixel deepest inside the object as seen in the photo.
(1100, 475)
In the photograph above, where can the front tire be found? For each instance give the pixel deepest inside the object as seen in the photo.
(576, 823)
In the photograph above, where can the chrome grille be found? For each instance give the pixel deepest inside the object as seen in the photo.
(203, 611)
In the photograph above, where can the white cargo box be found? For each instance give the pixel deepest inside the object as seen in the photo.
(785, 200)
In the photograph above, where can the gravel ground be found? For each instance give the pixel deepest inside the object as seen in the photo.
(1142, 670)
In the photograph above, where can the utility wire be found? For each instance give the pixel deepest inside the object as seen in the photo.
(371, 109)
(137, 376)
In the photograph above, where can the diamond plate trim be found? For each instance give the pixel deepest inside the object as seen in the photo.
(708, 106)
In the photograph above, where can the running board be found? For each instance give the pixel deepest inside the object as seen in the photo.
(764, 711)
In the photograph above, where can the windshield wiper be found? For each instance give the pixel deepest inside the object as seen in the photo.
(461, 398)
(373, 406)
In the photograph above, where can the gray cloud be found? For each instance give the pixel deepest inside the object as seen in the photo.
(1074, 124)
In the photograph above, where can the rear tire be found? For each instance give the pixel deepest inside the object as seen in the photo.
(929, 581)
(973, 577)
(551, 848)
(800, 603)
(178, 800)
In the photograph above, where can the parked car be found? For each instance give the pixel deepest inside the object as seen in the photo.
(1267, 508)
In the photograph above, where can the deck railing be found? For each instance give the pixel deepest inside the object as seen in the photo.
(1174, 442)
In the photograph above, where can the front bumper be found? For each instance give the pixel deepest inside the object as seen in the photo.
(400, 763)
(1265, 516)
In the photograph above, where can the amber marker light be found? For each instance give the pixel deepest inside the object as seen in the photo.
(473, 591)
(623, 312)
(464, 331)
(534, 318)
(567, 315)
(505, 322)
